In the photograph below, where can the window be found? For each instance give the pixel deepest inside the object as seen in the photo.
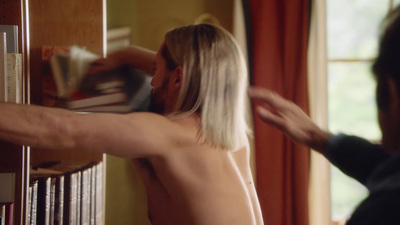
(352, 41)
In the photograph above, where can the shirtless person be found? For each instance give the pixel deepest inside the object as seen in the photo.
(193, 154)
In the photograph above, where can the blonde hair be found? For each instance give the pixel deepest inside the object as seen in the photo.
(214, 82)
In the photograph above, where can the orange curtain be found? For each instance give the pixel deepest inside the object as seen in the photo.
(279, 38)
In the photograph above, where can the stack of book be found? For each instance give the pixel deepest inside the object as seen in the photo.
(59, 197)
(119, 91)
(122, 90)
(10, 65)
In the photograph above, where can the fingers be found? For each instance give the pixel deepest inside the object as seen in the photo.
(270, 118)
(273, 108)
(267, 97)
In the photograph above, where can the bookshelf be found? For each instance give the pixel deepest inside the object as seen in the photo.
(46, 22)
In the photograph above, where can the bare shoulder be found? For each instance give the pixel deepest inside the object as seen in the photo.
(162, 125)
(162, 132)
(130, 135)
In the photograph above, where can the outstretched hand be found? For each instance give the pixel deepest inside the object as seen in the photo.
(289, 118)
(134, 56)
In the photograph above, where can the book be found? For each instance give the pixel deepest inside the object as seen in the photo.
(53, 181)
(115, 45)
(79, 62)
(74, 197)
(78, 196)
(34, 198)
(43, 201)
(6, 213)
(50, 94)
(59, 201)
(70, 202)
(85, 197)
(14, 77)
(7, 187)
(29, 207)
(12, 37)
(121, 90)
(68, 65)
(3, 66)
(134, 83)
(92, 195)
(81, 100)
(118, 32)
(2, 214)
(99, 194)
(118, 38)
(59, 63)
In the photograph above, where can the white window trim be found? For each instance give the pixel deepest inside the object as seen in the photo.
(319, 188)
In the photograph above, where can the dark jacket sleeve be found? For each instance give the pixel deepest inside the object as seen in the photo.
(381, 208)
(354, 156)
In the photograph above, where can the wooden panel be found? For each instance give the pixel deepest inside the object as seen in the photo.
(39, 156)
(62, 23)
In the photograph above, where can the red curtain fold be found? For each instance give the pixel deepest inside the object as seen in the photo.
(279, 62)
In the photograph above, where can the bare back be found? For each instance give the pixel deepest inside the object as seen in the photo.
(187, 182)
(199, 184)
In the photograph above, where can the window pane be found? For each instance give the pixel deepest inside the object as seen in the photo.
(352, 110)
(353, 26)
(346, 194)
(351, 101)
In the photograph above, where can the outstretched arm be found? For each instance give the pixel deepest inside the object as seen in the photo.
(134, 56)
(128, 135)
(289, 118)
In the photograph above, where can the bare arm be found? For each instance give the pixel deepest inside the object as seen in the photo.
(132, 135)
(134, 56)
(289, 118)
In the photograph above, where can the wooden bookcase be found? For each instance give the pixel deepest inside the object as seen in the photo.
(46, 22)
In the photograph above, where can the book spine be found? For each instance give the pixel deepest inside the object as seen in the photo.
(12, 37)
(43, 201)
(3, 66)
(92, 195)
(14, 77)
(6, 213)
(2, 214)
(85, 197)
(73, 197)
(78, 197)
(99, 194)
(9, 213)
(34, 203)
(47, 201)
(52, 199)
(59, 201)
(29, 209)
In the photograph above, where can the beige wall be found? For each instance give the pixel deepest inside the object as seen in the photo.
(149, 20)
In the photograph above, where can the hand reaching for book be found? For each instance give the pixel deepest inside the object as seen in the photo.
(135, 56)
(103, 65)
